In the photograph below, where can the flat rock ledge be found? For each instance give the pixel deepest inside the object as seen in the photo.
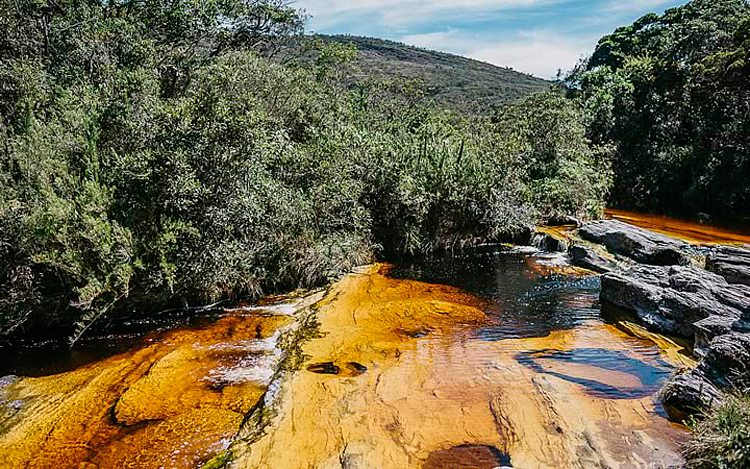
(690, 302)
(643, 246)
(588, 258)
(732, 263)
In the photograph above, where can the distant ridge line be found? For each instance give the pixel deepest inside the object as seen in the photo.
(455, 81)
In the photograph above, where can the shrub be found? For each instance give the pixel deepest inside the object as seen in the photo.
(721, 440)
(169, 172)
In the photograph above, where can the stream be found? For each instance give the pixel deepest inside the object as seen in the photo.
(495, 357)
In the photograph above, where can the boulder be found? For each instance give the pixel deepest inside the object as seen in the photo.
(732, 263)
(588, 258)
(640, 245)
(725, 367)
(547, 242)
(673, 299)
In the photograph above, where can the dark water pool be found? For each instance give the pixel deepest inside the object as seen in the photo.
(523, 300)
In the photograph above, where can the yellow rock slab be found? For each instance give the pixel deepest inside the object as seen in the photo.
(435, 395)
(153, 407)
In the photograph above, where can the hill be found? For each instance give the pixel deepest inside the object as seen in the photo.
(451, 79)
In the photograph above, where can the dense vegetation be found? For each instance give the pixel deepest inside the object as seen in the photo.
(457, 82)
(721, 440)
(672, 94)
(152, 155)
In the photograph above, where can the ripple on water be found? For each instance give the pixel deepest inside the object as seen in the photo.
(249, 361)
(521, 303)
(610, 374)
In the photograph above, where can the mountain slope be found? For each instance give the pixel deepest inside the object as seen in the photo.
(456, 81)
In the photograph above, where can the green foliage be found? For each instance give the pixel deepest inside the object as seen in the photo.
(671, 94)
(721, 439)
(150, 159)
(569, 176)
(455, 82)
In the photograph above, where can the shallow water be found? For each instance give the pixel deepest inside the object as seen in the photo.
(484, 358)
(520, 303)
(472, 360)
(692, 231)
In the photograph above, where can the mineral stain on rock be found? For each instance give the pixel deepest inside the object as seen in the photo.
(378, 372)
(349, 369)
(155, 406)
(327, 368)
(467, 457)
(459, 396)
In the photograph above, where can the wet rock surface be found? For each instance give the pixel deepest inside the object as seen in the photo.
(673, 299)
(710, 306)
(587, 258)
(175, 403)
(440, 391)
(641, 245)
(468, 456)
(732, 263)
(549, 241)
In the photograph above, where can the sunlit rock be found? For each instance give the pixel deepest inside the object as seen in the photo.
(732, 263)
(641, 245)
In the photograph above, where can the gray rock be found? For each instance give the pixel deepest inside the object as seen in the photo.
(688, 394)
(7, 380)
(549, 243)
(640, 245)
(691, 302)
(673, 299)
(726, 366)
(708, 329)
(588, 258)
(732, 263)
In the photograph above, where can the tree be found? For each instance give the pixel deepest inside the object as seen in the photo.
(671, 94)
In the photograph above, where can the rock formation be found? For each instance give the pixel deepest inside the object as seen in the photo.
(636, 243)
(732, 263)
(712, 308)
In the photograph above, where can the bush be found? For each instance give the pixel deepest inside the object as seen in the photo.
(721, 440)
(169, 172)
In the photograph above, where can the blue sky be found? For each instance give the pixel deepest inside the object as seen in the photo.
(532, 36)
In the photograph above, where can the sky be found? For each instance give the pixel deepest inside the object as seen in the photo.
(533, 36)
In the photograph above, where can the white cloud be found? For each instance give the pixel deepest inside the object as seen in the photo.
(395, 14)
(539, 57)
(487, 30)
(644, 6)
(540, 53)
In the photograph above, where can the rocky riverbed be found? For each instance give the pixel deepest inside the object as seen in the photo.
(497, 357)
(685, 288)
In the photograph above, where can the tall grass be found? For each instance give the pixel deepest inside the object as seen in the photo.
(721, 439)
(256, 177)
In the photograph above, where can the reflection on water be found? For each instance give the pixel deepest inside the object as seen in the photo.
(687, 230)
(522, 303)
(492, 359)
(519, 301)
(578, 366)
(44, 358)
(521, 370)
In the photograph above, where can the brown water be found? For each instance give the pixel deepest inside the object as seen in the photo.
(691, 231)
(487, 358)
(488, 364)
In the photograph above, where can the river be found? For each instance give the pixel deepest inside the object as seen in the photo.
(499, 356)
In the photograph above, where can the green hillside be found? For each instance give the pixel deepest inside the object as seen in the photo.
(453, 80)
